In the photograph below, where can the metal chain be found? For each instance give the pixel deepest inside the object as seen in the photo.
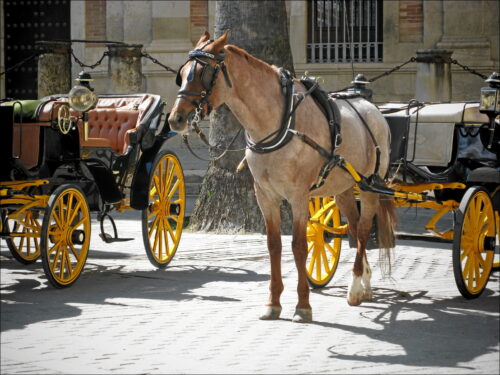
(411, 59)
(22, 62)
(93, 66)
(148, 56)
(467, 69)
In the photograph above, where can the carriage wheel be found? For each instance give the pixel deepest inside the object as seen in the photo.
(26, 248)
(163, 219)
(65, 236)
(474, 242)
(324, 230)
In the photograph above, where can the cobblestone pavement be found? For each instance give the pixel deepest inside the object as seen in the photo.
(199, 315)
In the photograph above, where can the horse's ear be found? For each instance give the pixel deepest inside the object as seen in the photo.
(203, 38)
(221, 41)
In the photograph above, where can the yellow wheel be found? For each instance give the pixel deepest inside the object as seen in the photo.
(25, 246)
(65, 237)
(474, 242)
(163, 219)
(324, 232)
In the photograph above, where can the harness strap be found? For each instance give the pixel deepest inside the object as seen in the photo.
(377, 147)
(280, 137)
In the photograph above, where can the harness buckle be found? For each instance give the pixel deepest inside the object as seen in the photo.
(338, 140)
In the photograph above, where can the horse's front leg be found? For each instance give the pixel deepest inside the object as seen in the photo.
(270, 209)
(303, 312)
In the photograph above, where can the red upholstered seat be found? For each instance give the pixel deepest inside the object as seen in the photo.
(111, 124)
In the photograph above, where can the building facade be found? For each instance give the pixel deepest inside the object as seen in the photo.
(329, 38)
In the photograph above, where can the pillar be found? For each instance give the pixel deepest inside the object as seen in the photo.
(125, 69)
(54, 68)
(433, 78)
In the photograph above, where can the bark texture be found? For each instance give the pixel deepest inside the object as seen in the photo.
(227, 203)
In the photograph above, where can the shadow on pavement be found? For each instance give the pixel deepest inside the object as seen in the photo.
(30, 299)
(435, 333)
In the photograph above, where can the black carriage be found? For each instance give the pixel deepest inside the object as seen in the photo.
(444, 157)
(66, 156)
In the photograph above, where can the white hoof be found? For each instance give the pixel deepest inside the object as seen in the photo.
(271, 313)
(354, 300)
(302, 316)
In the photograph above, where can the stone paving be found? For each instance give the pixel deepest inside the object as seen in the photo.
(199, 315)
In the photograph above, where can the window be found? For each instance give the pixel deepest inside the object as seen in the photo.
(342, 31)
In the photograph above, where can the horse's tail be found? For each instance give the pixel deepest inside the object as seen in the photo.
(386, 225)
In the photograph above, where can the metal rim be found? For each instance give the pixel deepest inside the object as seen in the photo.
(164, 218)
(65, 235)
(474, 229)
(323, 241)
(26, 247)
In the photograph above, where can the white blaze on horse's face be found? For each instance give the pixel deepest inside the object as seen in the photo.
(181, 110)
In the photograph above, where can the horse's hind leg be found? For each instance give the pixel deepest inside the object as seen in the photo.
(271, 211)
(360, 288)
(303, 312)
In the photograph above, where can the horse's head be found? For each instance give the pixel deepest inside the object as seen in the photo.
(201, 87)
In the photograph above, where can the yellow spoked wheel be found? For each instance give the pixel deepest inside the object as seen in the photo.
(25, 245)
(324, 232)
(65, 237)
(163, 219)
(474, 242)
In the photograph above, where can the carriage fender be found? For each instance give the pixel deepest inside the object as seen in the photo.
(139, 192)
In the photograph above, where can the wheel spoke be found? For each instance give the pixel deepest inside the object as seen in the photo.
(166, 231)
(74, 213)
(172, 191)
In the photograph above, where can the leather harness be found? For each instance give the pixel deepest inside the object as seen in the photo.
(286, 131)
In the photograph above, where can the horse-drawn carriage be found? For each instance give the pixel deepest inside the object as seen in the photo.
(66, 156)
(448, 154)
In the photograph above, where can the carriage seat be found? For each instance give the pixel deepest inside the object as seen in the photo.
(110, 127)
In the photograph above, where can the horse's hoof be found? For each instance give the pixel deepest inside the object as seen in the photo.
(271, 313)
(303, 316)
(354, 300)
(368, 297)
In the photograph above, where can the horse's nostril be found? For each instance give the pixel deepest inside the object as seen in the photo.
(179, 118)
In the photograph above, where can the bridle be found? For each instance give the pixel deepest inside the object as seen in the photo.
(208, 78)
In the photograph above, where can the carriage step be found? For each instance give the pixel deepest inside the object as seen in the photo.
(110, 239)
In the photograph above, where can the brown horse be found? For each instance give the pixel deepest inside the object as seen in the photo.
(252, 89)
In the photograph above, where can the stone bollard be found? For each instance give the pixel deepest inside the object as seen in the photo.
(54, 68)
(125, 68)
(433, 79)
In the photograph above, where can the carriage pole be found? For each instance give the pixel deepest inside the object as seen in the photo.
(125, 69)
(54, 68)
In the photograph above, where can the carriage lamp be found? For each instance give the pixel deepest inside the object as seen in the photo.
(82, 99)
(490, 102)
(359, 87)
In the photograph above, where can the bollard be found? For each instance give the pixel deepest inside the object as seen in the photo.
(433, 78)
(125, 68)
(54, 68)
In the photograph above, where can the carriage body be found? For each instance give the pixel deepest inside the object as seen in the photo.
(59, 166)
(440, 152)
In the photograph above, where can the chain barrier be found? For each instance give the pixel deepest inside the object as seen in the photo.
(93, 66)
(155, 61)
(396, 68)
(467, 69)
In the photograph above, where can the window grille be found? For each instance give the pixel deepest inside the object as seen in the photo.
(341, 31)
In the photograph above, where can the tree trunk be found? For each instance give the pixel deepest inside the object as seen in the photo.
(227, 199)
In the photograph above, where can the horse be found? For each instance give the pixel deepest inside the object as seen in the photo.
(253, 91)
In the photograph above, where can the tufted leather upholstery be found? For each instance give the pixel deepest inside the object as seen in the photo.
(113, 125)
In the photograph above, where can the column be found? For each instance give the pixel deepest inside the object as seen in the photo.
(54, 68)
(125, 69)
(433, 79)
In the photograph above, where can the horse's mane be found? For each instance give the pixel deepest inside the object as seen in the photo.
(251, 59)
